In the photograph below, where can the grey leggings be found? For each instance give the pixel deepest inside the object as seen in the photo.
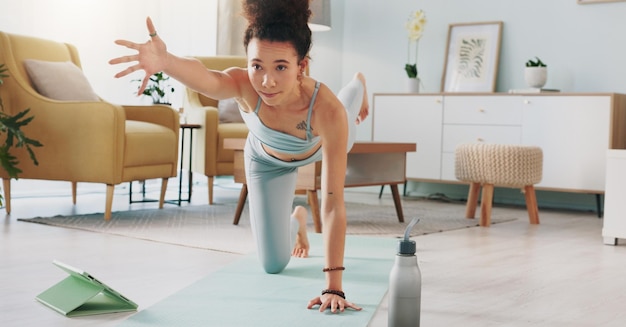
(271, 185)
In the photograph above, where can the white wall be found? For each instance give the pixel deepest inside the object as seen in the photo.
(583, 45)
(92, 26)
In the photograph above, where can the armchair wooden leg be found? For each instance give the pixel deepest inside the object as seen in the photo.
(485, 205)
(163, 190)
(109, 202)
(210, 184)
(74, 192)
(6, 184)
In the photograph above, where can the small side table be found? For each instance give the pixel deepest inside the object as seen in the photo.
(183, 128)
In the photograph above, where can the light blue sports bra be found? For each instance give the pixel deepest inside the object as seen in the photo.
(280, 141)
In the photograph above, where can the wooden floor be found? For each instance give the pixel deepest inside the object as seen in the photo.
(558, 273)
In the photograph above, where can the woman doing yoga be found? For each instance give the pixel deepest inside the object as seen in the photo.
(293, 121)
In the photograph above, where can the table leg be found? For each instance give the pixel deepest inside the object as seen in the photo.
(397, 202)
(315, 209)
(189, 173)
(180, 170)
(243, 195)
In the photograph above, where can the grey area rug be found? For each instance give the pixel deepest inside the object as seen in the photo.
(211, 226)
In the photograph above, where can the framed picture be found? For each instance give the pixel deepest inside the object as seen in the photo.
(584, 2)
(472, 57)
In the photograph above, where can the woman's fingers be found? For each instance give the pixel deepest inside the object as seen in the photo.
(123, 59)
(314, 302)
(128, 44)
(151, 29)
(124, 72)
(353, 306)
(144, 83)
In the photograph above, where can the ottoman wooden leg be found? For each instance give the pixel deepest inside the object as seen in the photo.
(485, 205)
(531, 204)
(472, 200)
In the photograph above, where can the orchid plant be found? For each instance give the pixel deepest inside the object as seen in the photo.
(415, 28)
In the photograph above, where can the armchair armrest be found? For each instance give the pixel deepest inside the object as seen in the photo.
(207, 117)
(82, 141)
(158, 114)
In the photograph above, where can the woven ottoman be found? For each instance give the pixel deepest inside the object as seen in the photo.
(502, 165)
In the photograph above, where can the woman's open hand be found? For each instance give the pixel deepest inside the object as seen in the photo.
(151, 56)
(332, 302)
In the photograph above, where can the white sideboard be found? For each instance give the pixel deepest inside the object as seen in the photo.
(574, 131)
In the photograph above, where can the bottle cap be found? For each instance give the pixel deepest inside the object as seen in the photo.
(406, 247)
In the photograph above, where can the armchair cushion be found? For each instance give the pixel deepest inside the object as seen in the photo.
(58, 80)
(229, 111)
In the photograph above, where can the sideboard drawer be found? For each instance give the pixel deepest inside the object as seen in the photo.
(496, 110)
(454, 135)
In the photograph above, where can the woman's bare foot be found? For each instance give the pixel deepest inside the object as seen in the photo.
(301, 248)
(365, 106)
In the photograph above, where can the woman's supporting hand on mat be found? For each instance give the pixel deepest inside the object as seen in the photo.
(333, 302)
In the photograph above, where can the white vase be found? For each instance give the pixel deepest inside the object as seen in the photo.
(413, 85)
(536, 76)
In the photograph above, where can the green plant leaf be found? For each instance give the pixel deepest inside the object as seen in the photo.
(411, 70)
(538, 63)
(156, 87)
(15, 137)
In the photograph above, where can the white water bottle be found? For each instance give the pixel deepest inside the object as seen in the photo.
(405, 285)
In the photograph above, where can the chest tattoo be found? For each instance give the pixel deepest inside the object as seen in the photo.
(302, 126)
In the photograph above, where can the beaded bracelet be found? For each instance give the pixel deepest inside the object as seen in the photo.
(335, 292)
(333, 269)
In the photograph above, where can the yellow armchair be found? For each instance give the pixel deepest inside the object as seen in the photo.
(211, 159)
(84, 141)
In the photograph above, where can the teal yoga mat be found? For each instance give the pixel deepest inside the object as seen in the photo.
(242, 294)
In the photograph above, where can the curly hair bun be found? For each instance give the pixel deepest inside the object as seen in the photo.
(267, 12)
(279, 21)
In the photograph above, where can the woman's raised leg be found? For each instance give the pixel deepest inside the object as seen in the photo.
(353, 96)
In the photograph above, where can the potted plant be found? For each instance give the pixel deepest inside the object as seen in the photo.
(415, 29)
(158, 88)
(14, 137)
(536, 73)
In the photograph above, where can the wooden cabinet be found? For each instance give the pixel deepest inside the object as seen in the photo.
(574, 131)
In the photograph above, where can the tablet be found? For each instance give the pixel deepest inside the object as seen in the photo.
(81, 294)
